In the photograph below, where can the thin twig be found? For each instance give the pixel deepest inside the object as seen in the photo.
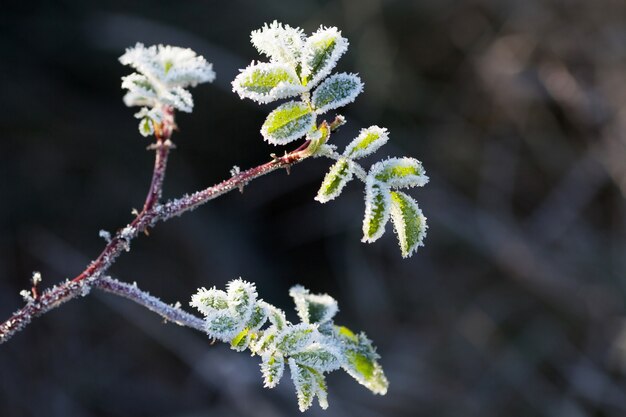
(132, 292)
(152, 213)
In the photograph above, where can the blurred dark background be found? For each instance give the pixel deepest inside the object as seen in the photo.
(515, 307)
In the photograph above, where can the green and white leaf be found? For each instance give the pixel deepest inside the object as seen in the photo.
(241, 299)
(294, 338)
(169, 66)
(336, 178)
(266, 342)
(368, 142)
(322, 357)
(321, 52)
(409, 223)
(209, 301)
(309, 383)
(223, 326)
(179, 98)
(399, 172)
(260, 311)
(288, 122)
(377, 204)
(336, 91)
(361, 361)
(277, 317)
(313, 308)
(272, 368)
(241, 341)
(141, 92)
(267, 82)
(281, 43)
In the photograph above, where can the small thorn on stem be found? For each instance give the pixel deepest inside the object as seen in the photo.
(146, 232)
(240, 186)
(288, 169)
(274, 157)
(134, 212)
(36, 280)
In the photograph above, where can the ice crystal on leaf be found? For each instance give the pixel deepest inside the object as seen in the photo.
(297, 65)
(163, 73)
(279, 43)
(311, 348)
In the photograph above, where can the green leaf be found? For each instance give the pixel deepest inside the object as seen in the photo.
(287, 123)
(295, 338)
(209, 301)
(241, 341)
(241, 299)
(313, 308)
(337, 177)
(399, 172)
(408, 221)
(272, 368)
(145, 127)
(368, 142)
(320, 357)
(258, 317)
(265, 342)
(322, 50)
(267, 82)
(377, 202)
(336, 91)
(309, 383)
(277, 317)
(360, 362)
(222, 325)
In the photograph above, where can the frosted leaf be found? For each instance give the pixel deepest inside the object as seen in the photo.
(141, 91)
(272, 368)
(265, 343)
(336, 178)
(146, 128)
(409, 223)
(321, 52)
(241, 299)
(241, 341)
(322, 358)
(179, 98)
(267, 82)
(309, 383)
(368, 142)
(361, 361)
(294, 338)
(279, 43)
(336, 91)
(209, 301)
(399, 172)
(288, 122)
(277, 317)
(313, 308)
(149, 117)
(170, 66)
(222, 325)
(258, 316)
(377, 202)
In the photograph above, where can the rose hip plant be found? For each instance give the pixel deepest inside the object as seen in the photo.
(299, 69)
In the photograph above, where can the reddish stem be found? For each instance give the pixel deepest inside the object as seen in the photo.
(151, 213)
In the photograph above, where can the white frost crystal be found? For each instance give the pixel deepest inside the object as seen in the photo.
(311, 348)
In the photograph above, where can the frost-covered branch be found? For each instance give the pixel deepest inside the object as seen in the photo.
(131, 291)
(299, 69)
